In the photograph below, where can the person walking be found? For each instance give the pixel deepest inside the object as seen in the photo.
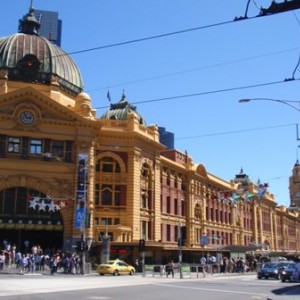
(23, 264)
(170, 268)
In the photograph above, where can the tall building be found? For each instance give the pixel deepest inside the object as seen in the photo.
(166, 138)
(68, 176)
(51, 25)
(295, 187)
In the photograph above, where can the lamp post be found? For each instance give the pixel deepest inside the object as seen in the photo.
(294, 104)
(290, 103)
(180, 241)
(285, 102)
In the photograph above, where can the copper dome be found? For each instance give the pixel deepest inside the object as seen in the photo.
(29, 57)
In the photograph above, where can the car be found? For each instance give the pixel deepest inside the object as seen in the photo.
(296, 274)
(286, 274)
(115, 267)
(272, 269)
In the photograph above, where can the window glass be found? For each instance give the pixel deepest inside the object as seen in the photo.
(14, 145)
(35, 146)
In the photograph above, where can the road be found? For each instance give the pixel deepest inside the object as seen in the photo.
(95, 287)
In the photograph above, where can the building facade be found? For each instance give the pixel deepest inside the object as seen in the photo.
(67, 175)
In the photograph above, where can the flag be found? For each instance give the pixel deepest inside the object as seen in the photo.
(235, 196)
(108, 97)
(262, 189)
(249, 196)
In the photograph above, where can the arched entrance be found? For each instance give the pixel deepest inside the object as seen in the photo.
(29, 217)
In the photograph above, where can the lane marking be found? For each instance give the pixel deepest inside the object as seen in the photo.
(212, 290)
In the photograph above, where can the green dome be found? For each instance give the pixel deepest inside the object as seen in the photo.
(120, 110)
(26, 56)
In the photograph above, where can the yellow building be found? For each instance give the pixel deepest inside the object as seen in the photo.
(67, 175)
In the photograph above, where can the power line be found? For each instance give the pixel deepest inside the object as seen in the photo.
(192, 70)
(162, 35)
(152, 37)
(234, 131)
(209, 92)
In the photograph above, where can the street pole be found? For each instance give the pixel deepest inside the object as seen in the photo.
(83, 221)
(180, 250)
(142, 253)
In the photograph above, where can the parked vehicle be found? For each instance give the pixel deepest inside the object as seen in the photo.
(286, 274)
(115, 267)
(296, 274)
(272, 269)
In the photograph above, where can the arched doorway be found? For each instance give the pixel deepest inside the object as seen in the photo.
(29, 217)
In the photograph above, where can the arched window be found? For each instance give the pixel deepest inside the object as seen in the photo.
(108, 165)
(146, 187)
(197, 211)
(108, 194)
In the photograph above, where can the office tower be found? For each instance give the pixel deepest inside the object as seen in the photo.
(51, 25)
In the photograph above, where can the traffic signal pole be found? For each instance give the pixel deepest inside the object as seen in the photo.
(142, 252)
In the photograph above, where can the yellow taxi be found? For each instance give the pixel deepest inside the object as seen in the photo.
(115, 267)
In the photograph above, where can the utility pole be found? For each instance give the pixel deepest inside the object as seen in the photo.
(142, 253)
(82, 206)
(180, 241)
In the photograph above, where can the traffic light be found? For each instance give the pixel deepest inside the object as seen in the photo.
(142, 245)
(182, 236)
(80, 246)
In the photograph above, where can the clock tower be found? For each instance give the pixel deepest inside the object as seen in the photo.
(295, 186)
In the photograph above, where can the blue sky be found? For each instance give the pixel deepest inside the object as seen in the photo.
(216, 63)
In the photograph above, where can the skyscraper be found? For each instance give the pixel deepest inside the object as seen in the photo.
(51, 25)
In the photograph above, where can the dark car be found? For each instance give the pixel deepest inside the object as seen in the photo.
(286, 274)
(272, 269)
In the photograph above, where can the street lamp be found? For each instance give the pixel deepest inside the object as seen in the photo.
(180, 241)
(291, 103)
(285, 102)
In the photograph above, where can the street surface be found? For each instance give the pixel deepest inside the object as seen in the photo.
(95, 287)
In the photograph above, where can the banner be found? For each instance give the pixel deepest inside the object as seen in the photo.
(82, 177)
(79, 217)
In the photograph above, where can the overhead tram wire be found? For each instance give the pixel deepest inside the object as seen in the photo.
(208, 92)
(236, 19)
(233, 132)
(191, 70)
(152, 37)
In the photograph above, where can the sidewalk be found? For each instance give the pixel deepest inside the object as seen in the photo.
(17, 271)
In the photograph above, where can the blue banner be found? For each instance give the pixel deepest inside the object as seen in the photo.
(79, 217)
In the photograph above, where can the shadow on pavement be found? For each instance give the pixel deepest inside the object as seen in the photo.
(294, 289)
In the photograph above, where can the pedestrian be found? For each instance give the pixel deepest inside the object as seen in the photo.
(170, 268)
(73, 265)
(2, 259)
(18, 259)
(53, 264)
(24, 264)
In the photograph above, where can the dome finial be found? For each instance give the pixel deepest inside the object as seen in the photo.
(29, 24)
(123, 95)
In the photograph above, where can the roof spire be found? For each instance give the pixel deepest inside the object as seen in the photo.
(29, 24)
(123, 95)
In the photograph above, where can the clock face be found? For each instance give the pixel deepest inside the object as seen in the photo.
(26, 117)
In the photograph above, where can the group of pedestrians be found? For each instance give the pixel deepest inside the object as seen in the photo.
(34, 259)
(228, 264)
